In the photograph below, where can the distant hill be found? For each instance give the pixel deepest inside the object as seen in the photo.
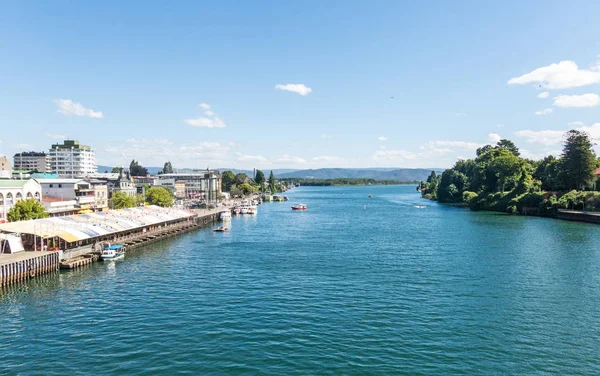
(399, 174)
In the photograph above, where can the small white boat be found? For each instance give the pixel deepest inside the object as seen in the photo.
(221, 229)
(113, 252)
(224, 215)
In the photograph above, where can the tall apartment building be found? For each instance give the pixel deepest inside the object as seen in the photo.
(5, 168)
(31, 160)
(71, 159)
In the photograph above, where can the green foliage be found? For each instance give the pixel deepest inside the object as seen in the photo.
(228, 180)
(272, 182)
(159, 196)
(247, 188)
(260, 178)
(117, 170)
(548, 173)
(509, 145)
(242, 178)
(120, 200)
(135, 169)
(469, 196)
(235, 191)
(578, 160)
(167, 168)
(25, 210)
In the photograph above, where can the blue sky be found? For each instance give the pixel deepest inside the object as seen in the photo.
(131, 77)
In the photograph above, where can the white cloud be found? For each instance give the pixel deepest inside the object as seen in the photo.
(203, 122)
(563, 75)
(22, 146)
(148, 141)
(55, 136)
(500, 125)
(592, 130)
(295, 88)
(68, 107)
(252, 158)
(545, 137)
(585, 100)
(383, 147)
(327, 158)
(576, 123)
(543, 95)
(545, 111)
(537, 156)
(382, 138)
(325, 137)
(288, 159)
(210, 121)
(454, 144)
(493, 138)
(394, 155)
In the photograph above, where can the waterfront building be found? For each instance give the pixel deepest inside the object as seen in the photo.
(71, 159)
(205, 184)
(5, 168)
(84, 193)
(13, 191)
(32, 161)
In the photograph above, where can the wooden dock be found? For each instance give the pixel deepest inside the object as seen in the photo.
(22, 266)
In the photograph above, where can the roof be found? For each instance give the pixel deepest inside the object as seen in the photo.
(59, 181)
(54, 199)
(597, 172)
(9, 183)
(85, 226)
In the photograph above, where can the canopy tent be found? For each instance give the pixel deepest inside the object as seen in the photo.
(84, 226)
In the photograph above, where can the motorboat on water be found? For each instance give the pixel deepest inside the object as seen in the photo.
(221, 229)
(285, 198)
(113, 252)
(226, 214)
(299, 207)
(277, 198)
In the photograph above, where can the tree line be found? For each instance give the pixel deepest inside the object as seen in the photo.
(342, 181)
(499, 179)
(241, 184)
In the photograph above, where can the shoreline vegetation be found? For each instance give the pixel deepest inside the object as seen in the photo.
(343, 182)
(499, 179)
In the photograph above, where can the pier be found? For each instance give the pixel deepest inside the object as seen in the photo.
(82, 238)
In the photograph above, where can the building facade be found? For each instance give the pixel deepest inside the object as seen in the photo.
(13, 191)
(196, 185)
(5, 168)
(32, 161)
(71, 159)
(87, 195)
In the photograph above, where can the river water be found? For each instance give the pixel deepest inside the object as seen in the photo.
(352, 286)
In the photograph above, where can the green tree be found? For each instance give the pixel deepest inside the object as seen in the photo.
(272, 182)
(242, 178)
(235, 191)
(168, 168)
(246, 188)
(432, 177)
(509, 145)
(121, 200)
(578, 160)
(159, 196)
(135, 169)
(117, 170)
(507, 168)
(25, 210)
(227, 180)
(260, 177)
(548, 173)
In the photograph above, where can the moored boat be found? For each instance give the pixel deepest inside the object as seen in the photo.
(299, 207)
(224, 215)
(277, 198)
(113, 252)
(221, 229)
(285, 198)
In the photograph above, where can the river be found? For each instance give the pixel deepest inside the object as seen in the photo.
(352, 286)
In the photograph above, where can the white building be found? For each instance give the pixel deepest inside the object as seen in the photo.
(71, 159)
(5, 168)
(86, 195)
(13, 191)
(204, 184)
(32, 161)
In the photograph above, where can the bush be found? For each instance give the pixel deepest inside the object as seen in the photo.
(468, 196)
(428, 196)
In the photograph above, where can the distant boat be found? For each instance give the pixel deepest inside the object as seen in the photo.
(285, 198)
(113, 252)
(277, 198)
(221, 229)
(224, 215)
(299, 207)
(420, 206)
(370, 196)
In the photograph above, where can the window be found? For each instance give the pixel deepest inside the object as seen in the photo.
(51, 185)
(60, 186)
